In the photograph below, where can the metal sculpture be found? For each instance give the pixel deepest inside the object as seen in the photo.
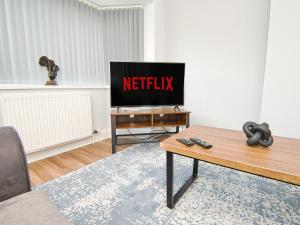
(258, 134)
(52, 69)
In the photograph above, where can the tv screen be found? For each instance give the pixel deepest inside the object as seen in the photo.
(146, 84)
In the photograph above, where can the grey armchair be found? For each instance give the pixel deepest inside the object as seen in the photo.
(18, 204)
(14, 176)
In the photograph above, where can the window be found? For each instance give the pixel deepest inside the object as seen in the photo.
(81, 39)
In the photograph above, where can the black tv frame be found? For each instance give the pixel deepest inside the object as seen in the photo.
(175, 106)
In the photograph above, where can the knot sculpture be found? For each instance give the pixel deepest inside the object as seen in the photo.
(52, 69)
(258, 134)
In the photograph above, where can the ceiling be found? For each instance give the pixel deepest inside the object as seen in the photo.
(120, 2)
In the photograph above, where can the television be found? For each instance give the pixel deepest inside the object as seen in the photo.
(146, 84)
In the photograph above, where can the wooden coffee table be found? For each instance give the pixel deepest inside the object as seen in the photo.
(281, 161)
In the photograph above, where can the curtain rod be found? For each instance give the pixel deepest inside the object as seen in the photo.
(97, 6)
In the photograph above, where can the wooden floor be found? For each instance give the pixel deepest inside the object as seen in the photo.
(48, 169)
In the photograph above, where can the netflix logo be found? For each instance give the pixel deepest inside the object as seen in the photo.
(163, 83)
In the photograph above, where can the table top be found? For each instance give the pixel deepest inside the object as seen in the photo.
(281, 161)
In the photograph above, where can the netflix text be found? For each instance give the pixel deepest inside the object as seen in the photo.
(163, 83)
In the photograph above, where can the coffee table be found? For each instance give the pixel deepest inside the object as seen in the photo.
(281, 161)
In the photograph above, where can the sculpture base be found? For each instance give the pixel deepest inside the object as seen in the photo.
(51, 82)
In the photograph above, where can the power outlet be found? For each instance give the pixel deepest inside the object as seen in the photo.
(96, 131)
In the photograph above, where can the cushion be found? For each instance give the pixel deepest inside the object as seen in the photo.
(31, 208)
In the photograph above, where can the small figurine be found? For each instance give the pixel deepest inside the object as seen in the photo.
(52, 69)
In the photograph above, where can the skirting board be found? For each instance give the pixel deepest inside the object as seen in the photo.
(35, 156)
(106, 133)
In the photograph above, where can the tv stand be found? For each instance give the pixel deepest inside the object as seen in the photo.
(146, 118)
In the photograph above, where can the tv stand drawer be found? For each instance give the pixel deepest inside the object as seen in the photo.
(169, 119)
(133, 121)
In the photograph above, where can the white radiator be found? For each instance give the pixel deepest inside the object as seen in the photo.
(48, 119)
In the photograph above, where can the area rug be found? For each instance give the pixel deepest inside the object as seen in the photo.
(130, 188)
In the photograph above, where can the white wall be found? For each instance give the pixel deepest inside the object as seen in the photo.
(159, 30)
(149, 31)
(281, 103)
(223, 44)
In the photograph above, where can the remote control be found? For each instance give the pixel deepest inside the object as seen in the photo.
(185, 141)
(203, 144)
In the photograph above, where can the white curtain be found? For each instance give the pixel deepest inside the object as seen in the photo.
(79, 38)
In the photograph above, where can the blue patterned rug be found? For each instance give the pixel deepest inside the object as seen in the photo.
(129, 188)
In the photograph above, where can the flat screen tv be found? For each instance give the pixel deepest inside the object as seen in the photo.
(146, 84)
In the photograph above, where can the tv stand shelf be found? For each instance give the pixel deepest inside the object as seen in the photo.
(151, 118)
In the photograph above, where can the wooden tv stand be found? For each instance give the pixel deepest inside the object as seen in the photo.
(167, 117)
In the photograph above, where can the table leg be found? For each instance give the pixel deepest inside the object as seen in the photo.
(172, 199)
(195, 168)
(170, 180)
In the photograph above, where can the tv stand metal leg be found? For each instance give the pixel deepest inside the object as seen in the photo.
(170, 203)
(187, 120)
(113, 135)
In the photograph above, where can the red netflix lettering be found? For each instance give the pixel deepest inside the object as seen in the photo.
(126, 83)
(163, 83)
(135, 83)
(143, 82)
(169, 80)
(149, 82)
(155, 85)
